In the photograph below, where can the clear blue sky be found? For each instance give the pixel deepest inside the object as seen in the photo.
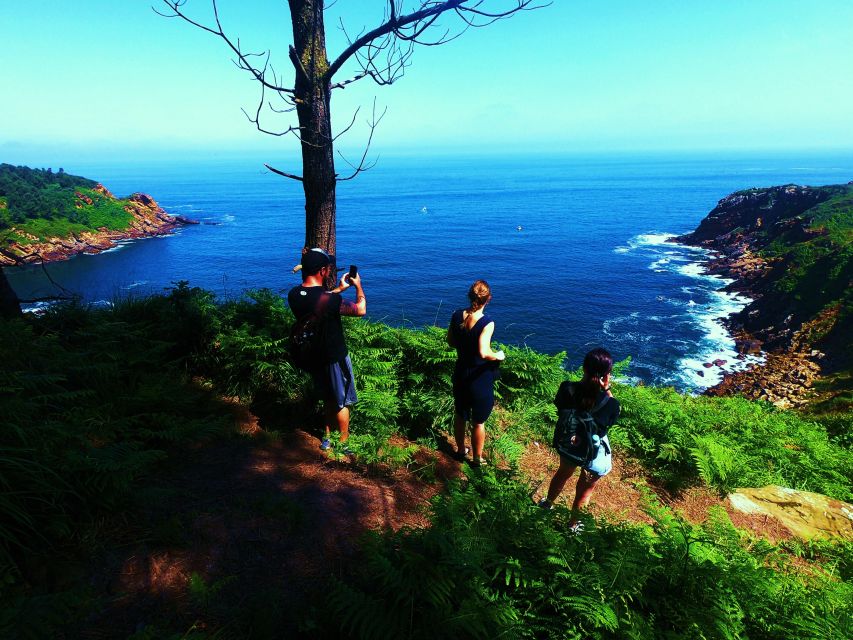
(576, 76)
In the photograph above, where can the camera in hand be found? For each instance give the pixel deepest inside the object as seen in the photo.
(353, 271)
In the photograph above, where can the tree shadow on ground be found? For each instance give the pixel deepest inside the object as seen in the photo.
(244, 536)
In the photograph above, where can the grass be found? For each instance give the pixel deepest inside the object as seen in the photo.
(104, 212)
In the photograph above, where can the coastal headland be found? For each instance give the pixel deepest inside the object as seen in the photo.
(788, 248)
(49, 217)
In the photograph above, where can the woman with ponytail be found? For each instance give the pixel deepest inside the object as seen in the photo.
(591, 394)
(470, 333)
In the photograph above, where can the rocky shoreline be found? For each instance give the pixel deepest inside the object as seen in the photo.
(735, 232)
(148, 220)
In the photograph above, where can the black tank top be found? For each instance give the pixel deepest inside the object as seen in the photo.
(467, 341)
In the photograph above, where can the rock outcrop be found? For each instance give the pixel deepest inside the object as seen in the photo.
(147, 219)
(807, 515)
(754, 237)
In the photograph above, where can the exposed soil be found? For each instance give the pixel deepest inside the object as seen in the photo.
(253, 517)
(618, 496)
(263, 522)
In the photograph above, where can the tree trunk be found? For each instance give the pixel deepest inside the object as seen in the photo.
(9, 305)
(312, 109)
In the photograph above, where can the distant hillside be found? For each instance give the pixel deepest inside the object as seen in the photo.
(791, 249)
(47, 215)
(44, 204)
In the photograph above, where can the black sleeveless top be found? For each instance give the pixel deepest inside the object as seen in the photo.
(467, 341)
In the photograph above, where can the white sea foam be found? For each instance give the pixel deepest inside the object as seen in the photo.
(38, 308)
(656, 239)
(138, 283)
(692, 269)
(716, 343)
(120, 244)
(626, 327)
(705, 308)
(653, 239)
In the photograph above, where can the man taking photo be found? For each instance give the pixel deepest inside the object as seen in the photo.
(330, 365)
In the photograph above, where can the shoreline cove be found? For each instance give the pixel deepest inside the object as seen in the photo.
(716, 355)
(148, 220)
(617, 283)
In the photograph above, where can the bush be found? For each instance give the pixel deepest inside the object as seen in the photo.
(729, 443)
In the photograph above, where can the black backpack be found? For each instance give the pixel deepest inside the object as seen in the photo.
(307, 337)
(573, 435)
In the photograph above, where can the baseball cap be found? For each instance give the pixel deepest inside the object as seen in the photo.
(314, 259)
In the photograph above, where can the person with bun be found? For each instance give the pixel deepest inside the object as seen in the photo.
(470, 333)
(591, 394)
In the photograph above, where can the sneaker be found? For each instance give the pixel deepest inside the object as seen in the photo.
(482, 462)
(460, 455)
(544, 503)
(576, 528)
(326, 444)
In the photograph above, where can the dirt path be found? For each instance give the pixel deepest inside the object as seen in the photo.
(252, 528)
(617, 496)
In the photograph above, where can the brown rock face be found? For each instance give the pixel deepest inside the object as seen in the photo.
(749, 347)
(148, 220)
(741, 214)
(808, 515)
(104, 191)
(737, 230)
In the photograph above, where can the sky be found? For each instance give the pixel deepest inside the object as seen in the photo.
(575, 76)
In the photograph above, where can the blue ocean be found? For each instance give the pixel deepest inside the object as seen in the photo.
(574, 247)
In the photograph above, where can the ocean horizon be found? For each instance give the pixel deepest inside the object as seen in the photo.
(575, 247)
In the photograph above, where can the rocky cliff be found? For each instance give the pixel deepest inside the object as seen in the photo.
(146, 219)
(789, 248)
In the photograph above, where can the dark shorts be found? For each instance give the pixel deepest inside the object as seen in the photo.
(336, 383)
(474, 395)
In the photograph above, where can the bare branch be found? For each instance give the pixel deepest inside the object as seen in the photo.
(412, 28)
(242, 60)
(26, 259)
(257, 119)
(349, 126)
(282, 173)
(362, 165)
(356, 78)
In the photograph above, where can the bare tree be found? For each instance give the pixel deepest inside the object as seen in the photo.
(9, 305)
(381, 54)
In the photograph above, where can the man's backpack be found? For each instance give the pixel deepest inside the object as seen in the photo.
(307, 337)
(576, 434)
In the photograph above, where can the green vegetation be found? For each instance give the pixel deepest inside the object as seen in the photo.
(44, 204)
(97, 403)
(494, 565)
(730, 443)
(819, 267)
